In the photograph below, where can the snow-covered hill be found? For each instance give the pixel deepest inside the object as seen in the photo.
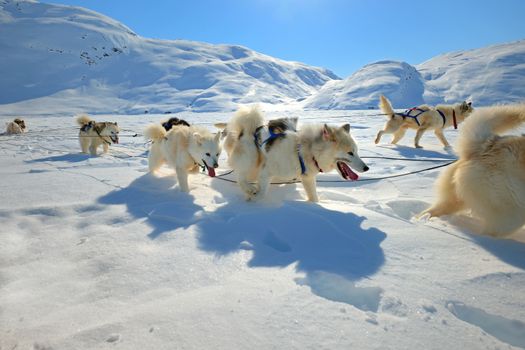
(63, 59)
(490, 75)
(486, 76)
(398, 80)
(70, 56)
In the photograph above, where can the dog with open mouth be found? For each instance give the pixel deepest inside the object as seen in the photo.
(185, 149)
(93, 134)
(260, 152)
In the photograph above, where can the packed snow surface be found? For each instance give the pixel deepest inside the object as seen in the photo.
(96, 253)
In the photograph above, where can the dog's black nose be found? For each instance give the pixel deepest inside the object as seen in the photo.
(215, 165)
(366, 168)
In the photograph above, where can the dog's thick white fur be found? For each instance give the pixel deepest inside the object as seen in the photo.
(16, 126)
(430, 119)
(183, 148)
(256, 163)
(93, 134)
(489, 177)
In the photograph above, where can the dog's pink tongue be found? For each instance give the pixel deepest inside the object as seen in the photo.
(211, 172)
(346, 172)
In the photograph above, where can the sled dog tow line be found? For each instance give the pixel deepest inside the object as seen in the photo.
(447, 163)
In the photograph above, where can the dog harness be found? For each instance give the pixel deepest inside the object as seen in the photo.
(103, 139)
(87, 126)
(301, 159)
(406, 114)
(453, 118)
(272, 136)
(442, 116)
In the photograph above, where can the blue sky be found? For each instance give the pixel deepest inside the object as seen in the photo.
(341, 35)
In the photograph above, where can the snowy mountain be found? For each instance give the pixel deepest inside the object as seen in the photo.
(63, 59)
(63, 55)
(485, 76)
(398, 80)
(490, 75)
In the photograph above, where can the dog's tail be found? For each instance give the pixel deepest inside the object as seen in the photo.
(246, 121)
(487, 122)
(155, 132)
(386, 106)
(83, 120)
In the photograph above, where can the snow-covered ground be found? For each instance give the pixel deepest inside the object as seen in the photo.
(98, 254)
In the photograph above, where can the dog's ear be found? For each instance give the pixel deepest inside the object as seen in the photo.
(327, 133)
(218, 137)
(197, 138)
(346, 128)
(220, 126)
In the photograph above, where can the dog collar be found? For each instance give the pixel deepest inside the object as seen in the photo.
(317, 165)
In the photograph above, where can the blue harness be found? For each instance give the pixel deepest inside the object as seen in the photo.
(443, 117)
(273, 136)
(406, 114)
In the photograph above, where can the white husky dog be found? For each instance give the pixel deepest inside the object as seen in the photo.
(489, 177)
(183, 148)
(260, 152)
(93, 134)
(422, 118)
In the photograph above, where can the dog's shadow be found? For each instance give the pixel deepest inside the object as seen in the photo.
(331, 247)
(69, 158)
(153, 198)
(412, 152)
(511, 250)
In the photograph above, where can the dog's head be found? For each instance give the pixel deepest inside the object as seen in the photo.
(21, 123)
(341, 152)
(110, 130)
(466, 108)
(205, 150)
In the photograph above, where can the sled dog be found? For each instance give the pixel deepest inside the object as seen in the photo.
(260, 152)
(489, 177)
(17, 126)
(183, 148)
(93, 134)
(422, 118)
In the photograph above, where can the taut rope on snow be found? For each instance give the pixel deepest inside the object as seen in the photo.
(448, 162)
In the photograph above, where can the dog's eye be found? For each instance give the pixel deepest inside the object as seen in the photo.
(217, 154)
(208, 154)
(351, 154)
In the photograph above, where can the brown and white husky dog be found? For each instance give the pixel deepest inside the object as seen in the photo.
(93, 134)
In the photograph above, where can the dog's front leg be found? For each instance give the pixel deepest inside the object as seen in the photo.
(419, 133)
(441, 137)
(182, 177)
(264, 182)
(105, 147)
(93, 149)
(309, 185)
(249, 189)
